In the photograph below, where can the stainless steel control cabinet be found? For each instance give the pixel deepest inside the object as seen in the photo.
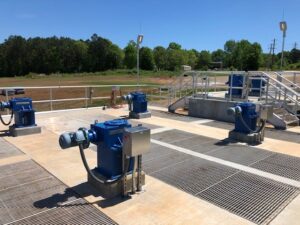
(136, 141)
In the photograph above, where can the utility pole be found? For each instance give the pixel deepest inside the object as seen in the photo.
(295, 45)
(269, 62)
(273, 51)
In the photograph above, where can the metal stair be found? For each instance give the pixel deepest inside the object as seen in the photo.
(285, 99)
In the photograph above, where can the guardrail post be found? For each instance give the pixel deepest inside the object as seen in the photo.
(86, 97)
(51, 98)
(215, 83)
(6, 96)
(231, 82)
(267, 91)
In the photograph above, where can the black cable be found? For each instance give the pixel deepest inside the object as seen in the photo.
(248, 128)
(10, 120)
(106, 182)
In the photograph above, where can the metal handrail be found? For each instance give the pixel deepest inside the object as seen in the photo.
(281, 84)
(85, 88)
(81, 86)
(287, 80)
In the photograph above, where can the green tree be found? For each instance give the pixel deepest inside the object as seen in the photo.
(115, 57)
(204, 60)
(247, 56)
(174, 46)
(294, 55)
(14, 53)
(229, 48)
(146, 59)
(160, 57)
(130, 55)
(191, 58)
(97, 53)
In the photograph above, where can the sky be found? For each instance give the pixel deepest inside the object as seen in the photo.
(198, 24)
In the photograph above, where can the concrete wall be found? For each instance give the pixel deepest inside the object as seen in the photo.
(210, 109)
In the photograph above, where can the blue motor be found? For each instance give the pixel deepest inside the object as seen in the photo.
(245, 117)
(116, 142)
(236, 82)
(22, 110)
(258, 84)
(138, 104)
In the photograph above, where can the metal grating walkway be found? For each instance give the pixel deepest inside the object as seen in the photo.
(8, 149)
(30, 195)
(250, 196)
(276, 163)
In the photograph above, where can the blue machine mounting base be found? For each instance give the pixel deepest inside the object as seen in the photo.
(252, 139)
(22, 131)
(116, 189)
(139, 115)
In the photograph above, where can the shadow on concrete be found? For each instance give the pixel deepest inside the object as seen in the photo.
(71, 194)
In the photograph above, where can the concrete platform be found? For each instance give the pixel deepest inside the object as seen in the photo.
(193, 175)
(21, 131)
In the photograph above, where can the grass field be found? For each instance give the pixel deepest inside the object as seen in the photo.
(118, 77)
(100, 78)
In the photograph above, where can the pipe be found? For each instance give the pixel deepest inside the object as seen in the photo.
(106, 182)
(10, 120)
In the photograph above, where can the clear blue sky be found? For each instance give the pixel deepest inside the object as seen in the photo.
(195, 24)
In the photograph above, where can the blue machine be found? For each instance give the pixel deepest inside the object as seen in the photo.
(118, 146)
(257, 85)
(249, 124)
(108, 137)
(22, 110)
(237, 82)
(138, 104)
(245, 117)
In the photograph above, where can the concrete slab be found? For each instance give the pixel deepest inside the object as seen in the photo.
(160, 203)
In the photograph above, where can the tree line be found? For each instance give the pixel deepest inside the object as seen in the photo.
(20, 56)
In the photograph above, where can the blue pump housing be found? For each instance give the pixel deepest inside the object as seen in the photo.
(23, 111)
(249, 115)
(139, 102)
(108, 137)
(257, 85)
(237, 81)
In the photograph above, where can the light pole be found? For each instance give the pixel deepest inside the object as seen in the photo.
(139, 41)
(283, 28)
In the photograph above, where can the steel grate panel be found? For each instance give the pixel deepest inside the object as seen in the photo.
(240, 154)
(7, 149)
(77, 212)
(172, 136)
(43, 201)
(164, 161)
(252, 197)
(32, 198)
(174, 116)
(280, 164)
(156, 152)
(22, 177)
(193, 175)
(15, 168)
